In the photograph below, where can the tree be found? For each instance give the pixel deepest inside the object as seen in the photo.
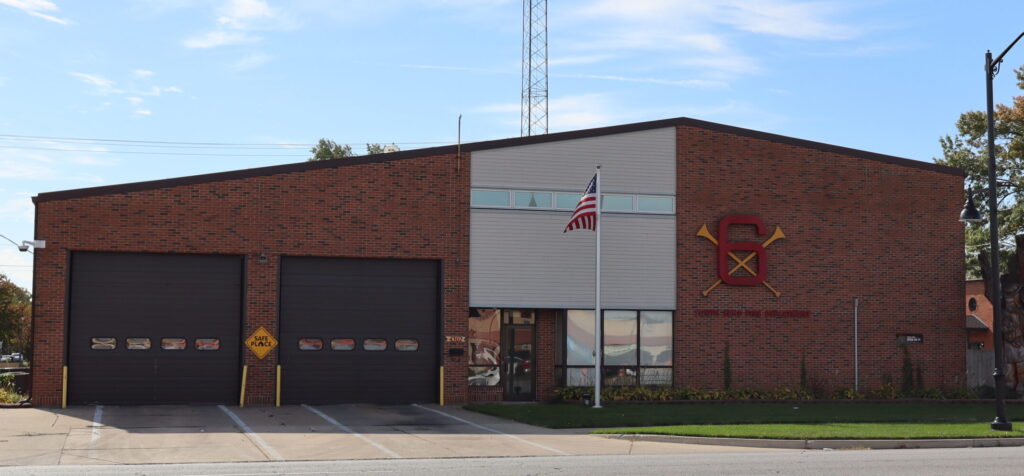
(969, 150)
(327, 149)
(15, 317)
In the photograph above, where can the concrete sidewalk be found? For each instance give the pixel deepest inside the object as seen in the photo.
(198, 434)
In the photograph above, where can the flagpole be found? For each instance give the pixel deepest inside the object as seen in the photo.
(598, 351)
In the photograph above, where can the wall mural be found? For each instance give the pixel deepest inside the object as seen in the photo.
(1013, 312)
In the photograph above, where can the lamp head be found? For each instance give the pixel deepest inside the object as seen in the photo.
(970, 212)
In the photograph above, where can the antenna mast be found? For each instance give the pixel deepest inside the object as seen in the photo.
(535, 68)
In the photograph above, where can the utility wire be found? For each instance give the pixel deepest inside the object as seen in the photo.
(218, 144)
(13, 243)
(149, 153)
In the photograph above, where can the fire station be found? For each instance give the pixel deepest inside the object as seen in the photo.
(444, 274)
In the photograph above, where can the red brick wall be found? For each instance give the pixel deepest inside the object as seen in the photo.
(854, 227)
(412, 208)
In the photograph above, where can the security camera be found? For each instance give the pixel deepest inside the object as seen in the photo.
(22, 247)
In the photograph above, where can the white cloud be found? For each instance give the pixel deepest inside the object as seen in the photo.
(685, 83)
(709, 36)
(251, 61)
(143, 73)
(565, 113)
(143, 112)
(242, 14)
(13, 263)
(727, 64)
(219, 38)
(806, 20)
(36, 9)
(134, 100)
(3, 81)
(102, 84)
(580, 112)
(457, 68)
(567, 60)
(237, 18)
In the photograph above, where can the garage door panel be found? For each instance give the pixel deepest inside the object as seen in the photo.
(154, 296)
(358, 299)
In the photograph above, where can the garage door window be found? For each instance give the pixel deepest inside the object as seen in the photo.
(311, 343)
(173, 343)
(375, 344)
(407, 345)
(138, 343)
(104, 343)
(343, 344)
(208, 344)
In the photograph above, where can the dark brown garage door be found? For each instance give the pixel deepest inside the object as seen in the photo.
(358, 330)
(154, 328)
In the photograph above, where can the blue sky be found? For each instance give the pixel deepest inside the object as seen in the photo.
(884, 76)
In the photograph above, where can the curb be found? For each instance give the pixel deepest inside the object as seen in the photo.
(826, 444)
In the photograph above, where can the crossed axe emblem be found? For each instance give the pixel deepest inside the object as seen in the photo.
(742, 262)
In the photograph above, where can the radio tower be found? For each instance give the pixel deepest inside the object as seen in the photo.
(535, 68)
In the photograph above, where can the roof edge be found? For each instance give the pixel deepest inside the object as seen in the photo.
(486, 145)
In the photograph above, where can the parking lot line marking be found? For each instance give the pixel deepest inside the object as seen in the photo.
(97, 421)
(267, 450)
(338, 424)
(492, 430)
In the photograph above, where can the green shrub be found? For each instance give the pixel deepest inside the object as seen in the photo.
(846, 394)
(931, 393)
(962, 393)
(887, 391)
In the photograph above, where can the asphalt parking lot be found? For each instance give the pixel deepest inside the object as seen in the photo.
(203, 434)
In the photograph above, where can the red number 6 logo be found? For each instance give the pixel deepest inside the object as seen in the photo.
(726, 251)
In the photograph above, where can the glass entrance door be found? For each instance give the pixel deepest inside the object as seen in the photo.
(518, 356)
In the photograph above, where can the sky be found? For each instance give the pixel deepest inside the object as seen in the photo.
(261, 80)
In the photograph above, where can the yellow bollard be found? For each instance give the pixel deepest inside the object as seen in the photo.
(64, 388)
(442, 387)
(279, 385)
(241, 397)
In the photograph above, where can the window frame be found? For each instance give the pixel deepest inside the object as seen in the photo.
(509, 192)
(562, 369)
(554, 194)
(551, 199)
(672, 204)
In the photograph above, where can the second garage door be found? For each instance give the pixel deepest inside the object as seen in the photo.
(359, 330)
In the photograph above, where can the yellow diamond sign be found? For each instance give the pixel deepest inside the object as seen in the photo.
(261, 342)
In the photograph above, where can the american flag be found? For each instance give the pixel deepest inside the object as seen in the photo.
(585, 215)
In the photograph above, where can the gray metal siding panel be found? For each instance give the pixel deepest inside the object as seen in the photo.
(522, 259)
(638, 162)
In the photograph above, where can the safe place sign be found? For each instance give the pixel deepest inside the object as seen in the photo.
(261, 342)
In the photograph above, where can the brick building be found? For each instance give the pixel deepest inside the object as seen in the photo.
(444, 272)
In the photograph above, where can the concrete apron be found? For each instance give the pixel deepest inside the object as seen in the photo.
(826, 444)
(180, 434)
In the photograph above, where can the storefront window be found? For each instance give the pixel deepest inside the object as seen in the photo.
(484, 347)
(579, 339)
(656, 338)
(637, 348)
(620, 338)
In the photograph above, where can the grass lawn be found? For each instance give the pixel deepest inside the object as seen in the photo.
(828, 431)
(578, 416)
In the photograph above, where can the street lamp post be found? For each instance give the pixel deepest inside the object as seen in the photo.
(1000, 423)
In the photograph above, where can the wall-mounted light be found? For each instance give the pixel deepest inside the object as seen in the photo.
(262, 259)
(37, 244)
